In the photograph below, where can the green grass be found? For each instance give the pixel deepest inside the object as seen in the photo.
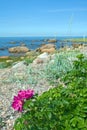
(77, 40)
(4, 63)
(27, 61)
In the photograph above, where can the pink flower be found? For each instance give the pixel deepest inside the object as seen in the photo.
(22, 94)
(29, 94)
(17, 103)
(18, 100)
(26, 94)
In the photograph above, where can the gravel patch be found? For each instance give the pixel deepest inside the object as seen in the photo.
(9, 88)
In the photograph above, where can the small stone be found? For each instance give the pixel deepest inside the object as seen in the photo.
(11, 117)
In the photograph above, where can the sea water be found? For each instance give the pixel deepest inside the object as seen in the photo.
(31, 42)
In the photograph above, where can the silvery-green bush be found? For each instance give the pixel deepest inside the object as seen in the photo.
(62, 63)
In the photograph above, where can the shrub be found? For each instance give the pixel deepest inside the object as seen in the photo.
(78, 75)
(60, 108)
(61, 65)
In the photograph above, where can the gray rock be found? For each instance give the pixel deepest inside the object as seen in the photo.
(44, 57)
(18, 65)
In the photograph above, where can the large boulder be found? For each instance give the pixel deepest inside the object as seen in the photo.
(52, 40)
(18, 49)
(49, 48)
(42, 58)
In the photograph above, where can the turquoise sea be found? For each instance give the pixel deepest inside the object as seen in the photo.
(31, 42)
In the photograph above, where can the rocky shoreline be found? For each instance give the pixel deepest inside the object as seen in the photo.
(9, 88)
(21, 47)
(24, 46)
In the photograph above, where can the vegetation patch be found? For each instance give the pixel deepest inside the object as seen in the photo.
(60, 108)
(4, 63)
(77, 40)
(63, 62)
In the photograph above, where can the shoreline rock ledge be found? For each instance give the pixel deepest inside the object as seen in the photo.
(49, 48)
(52, 41)
(18, 49)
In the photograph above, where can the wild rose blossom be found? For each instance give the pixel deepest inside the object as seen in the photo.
(17, 103)
(26, 94)
(18, 100)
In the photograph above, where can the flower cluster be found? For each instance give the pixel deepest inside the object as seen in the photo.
(18, 100)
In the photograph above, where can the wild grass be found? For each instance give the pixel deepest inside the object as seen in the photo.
(5, 63)
(8, 62)
(61, 64)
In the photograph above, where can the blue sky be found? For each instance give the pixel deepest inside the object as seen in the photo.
(43, 17)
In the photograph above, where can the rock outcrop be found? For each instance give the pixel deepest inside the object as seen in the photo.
(77, 45)
(43, 58)
(12, 42)
(52, 40)
(32, 54)
(49, 48)
(18, 49)
(18, 65)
